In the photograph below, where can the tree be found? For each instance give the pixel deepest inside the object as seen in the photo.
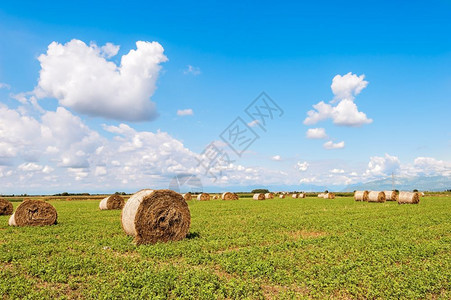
(260, 191)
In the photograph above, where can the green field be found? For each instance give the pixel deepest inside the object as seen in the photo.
(279, 248)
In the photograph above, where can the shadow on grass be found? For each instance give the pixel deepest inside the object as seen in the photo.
(193, 235)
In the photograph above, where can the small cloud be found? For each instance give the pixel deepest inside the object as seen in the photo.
(316, 133)
(276, 158)
(337, 171)
(109, 50)
(253, 123)
(302, 166)
(192, 70)
(4, 86)
(307, 180)
(185, 112)
(331, 145)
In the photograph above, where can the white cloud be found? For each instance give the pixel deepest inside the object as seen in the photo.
(348, 86)
(30, 167)
(4, 86)
(253, 123)
(276, 158)
(192, 70)
(337, 171)
(316, 133)
(381, 166)
(185, 112)
(331, 145)
(345, 113)
(431, 166)
(302, 166)
(307, 180)
(81, 78)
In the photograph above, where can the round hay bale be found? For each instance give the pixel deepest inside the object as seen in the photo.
(229, 196)
(112, 202)
(329, 196)
(34, 213)
(203, 197)
(301, 195)
(6, 207)
(294, 196)
(269, 196)
(187, 196)
(153, 216)
(376, 196)
(361, 196)
(321, 195)
(282, 196)
(409, 198)
(391, 195)
(259, 197)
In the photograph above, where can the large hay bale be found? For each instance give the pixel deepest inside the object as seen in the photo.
(269, 196)
(153, 216)
(281, 196)
(34, 213)
(321, 195)
(112, 202)
(301, 195)
(229, 196)
(376, 196)
(187, 196)
(259, 197)
(391, 195)
(361, 196)
(203, 197)
(408, 197)
(329, 196)
(294, 195)
(6, 207)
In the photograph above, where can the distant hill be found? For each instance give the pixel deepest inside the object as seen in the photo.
(421, 183)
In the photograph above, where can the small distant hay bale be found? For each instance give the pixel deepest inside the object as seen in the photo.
(422, 194)
(301, 195)
(294, 195)
(187, 196)
(112, 202)
(153, 216)
(6, 207)
(329, 196)
(408, 198)
(259, 197)
(203, 197)
(376, 196)
(215, 197)
(391, 195)
(34, 213)
(282, 196)
(361, 195)
(321, 195)
(229, 196)
(269, 196)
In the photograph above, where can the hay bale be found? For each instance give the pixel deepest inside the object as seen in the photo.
(376, 196)
(408, 197)
(269, 196)
(321, 195)
(34, 213)
(391, 195)
(112, 202)
(329, 196)
(301, 195)
(187, 196)
(6, 207)
(282, 196)
(361, 196)
(294, 195)
(229, 196)
(203, 197)
(153, 216)
(259, 197)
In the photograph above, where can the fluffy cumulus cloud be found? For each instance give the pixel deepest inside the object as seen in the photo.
(302, 166)
(82, 78)
(345, 113)
(185, 112)
(329, 145)
(316, 133)
(276, 158)
(430, 166)
(383, 165)
(337, 171)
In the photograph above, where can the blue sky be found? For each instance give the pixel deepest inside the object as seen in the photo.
(220, 57)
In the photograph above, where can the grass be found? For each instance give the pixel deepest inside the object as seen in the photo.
(279, 248)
